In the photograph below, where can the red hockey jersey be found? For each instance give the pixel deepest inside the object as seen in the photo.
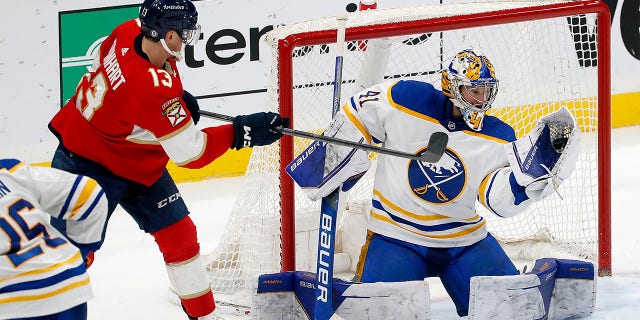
(129, 116)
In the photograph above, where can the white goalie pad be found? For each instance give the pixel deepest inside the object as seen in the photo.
(506, 297)
(547, 154)
(555, 289)
(291, 296)
(574, 294)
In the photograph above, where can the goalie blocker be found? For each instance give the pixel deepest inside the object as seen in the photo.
(323, 167)
(554, 289)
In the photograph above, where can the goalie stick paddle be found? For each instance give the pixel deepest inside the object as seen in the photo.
(323, 307)
(437, 142)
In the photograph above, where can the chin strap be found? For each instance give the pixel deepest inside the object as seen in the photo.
(176, 54)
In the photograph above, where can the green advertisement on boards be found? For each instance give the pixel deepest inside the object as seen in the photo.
(80, 33)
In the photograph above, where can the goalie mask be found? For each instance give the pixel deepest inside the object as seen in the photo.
(470, 82)
(157, 17)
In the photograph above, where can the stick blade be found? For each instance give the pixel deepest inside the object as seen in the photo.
(437, 145)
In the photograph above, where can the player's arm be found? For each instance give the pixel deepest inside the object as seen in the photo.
(538, 164)
(322, 167)
(75, 198)
(190, 147)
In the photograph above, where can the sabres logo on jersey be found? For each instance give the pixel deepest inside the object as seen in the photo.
(174, 111)
(440, 182)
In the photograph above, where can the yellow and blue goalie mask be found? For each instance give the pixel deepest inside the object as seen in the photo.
(471, 84)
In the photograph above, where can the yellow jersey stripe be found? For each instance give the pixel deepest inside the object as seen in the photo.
(415, 216)
(77, 256)
(407, 110)
(86, 192)
(482, 190)
(444, 236)
(484, 136)
(64, 289)
(356, 122)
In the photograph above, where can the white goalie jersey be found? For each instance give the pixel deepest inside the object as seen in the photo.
(41, 272)
(432, 204)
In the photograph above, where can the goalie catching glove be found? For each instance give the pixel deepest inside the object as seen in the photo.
(322, 167)
(547, 155)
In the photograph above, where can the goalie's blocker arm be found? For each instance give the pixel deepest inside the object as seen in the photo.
(323, 167)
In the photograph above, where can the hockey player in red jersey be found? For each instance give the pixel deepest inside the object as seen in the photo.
(131, 115)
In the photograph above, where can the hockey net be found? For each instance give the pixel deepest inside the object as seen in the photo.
(546, 55)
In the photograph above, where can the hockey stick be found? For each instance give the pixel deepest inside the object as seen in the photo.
(438, 141)
(323, 308)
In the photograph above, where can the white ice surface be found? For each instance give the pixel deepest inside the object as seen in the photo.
(130, 282)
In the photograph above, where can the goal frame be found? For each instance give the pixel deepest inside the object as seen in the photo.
(287, 45)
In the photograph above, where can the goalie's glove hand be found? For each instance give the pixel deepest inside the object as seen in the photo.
(192, 106)
(546, 156)
(258, 129)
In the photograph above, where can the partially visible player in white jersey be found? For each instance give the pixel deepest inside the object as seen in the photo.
(43, 274)
(423, 221)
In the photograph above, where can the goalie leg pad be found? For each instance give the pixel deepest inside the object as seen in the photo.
(506, 297)
(291, 295)
(554, 289)
(185, 266)
(574, 295)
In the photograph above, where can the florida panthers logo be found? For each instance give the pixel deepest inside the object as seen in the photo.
(174, 111)
(440, 182)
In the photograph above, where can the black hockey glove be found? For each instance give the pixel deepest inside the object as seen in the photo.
(257, 129)
(192, 105)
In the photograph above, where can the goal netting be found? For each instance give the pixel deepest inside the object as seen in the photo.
(546, 55)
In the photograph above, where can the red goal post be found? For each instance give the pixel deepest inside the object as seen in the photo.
(546, 54)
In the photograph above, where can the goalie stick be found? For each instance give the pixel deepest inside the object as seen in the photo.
(323, 308)
(437, 141)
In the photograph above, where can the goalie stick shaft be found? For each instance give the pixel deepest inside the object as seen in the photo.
(323, 308)
(437, 141)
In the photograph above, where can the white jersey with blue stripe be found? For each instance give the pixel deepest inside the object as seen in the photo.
(41, 271)
(430, 204)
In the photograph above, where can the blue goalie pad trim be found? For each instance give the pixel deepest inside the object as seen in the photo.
(275, 282)
(303, 284)
(307, 169)
(546, 270)
(575, 269)
(349, 183)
